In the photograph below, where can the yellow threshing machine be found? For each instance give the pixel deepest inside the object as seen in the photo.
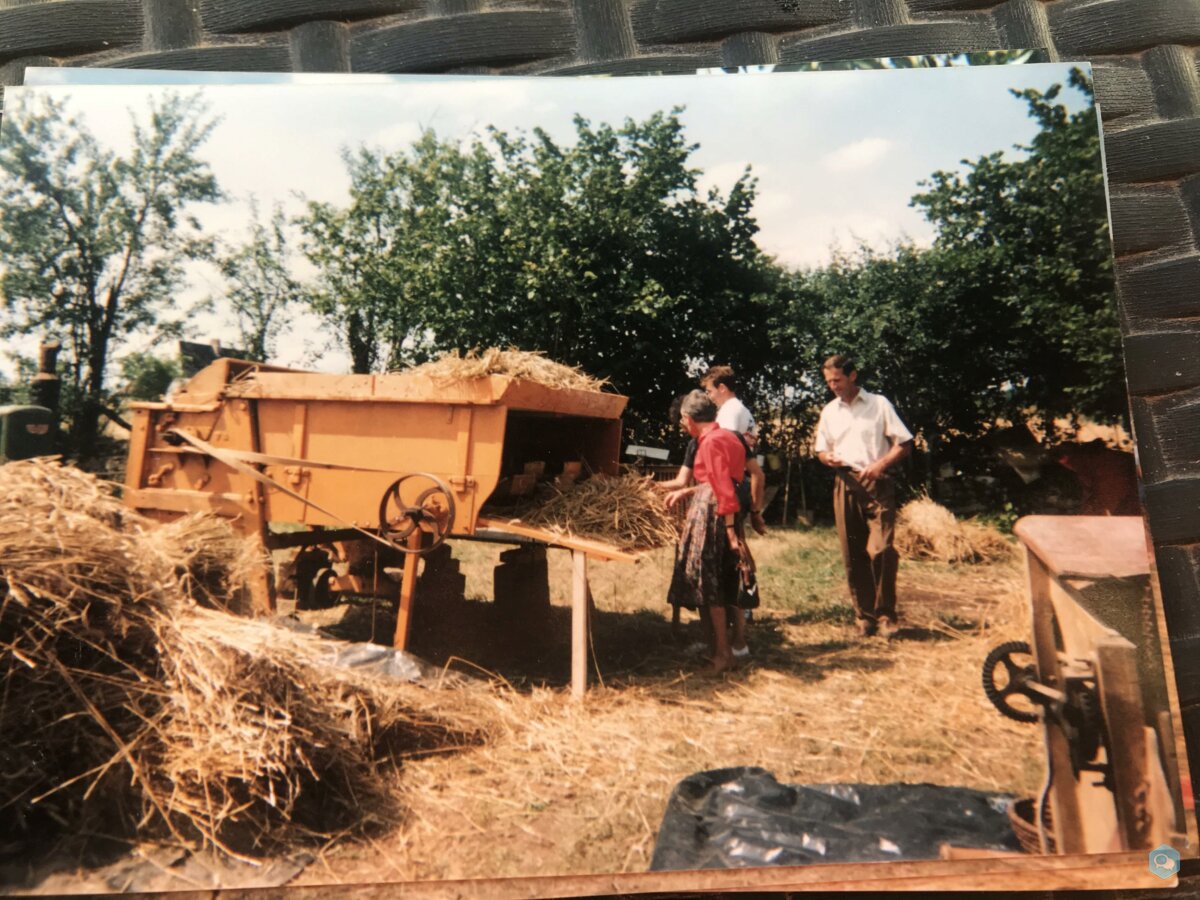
(397, 463)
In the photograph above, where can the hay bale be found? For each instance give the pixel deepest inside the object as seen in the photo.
(626, 511)
(519, 364)
(927, 530)
(125, 707)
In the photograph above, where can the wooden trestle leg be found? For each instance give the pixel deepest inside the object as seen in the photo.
(408, 588)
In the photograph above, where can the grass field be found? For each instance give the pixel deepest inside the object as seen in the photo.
(566, 787)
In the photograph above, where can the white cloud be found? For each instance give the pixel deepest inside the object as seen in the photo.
(397, 136)
(811, 240)
(858, 155)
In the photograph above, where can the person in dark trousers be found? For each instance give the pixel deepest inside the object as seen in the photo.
(860, 437)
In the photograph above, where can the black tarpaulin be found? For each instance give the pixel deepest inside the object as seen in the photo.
(740, 817)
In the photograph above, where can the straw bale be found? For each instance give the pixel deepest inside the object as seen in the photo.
(927, 530)
(212, 561)
(123, 704)
(626, 511)
(523, 365)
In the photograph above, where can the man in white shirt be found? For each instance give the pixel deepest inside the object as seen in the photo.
(860, 437)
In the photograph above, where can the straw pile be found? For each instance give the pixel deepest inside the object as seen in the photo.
(926, 530)
(626, 511)
(127, 707)
(519, 364)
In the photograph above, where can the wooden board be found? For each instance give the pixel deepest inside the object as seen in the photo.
(1090, 547)
(591, 548)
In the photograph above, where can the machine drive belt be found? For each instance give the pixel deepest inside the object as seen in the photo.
(239, 459)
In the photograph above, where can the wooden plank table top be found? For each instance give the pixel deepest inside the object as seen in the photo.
(1090, 547)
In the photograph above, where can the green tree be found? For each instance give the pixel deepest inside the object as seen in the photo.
(604, 253)
(1010, 313)
(146, 376)
(1023, 244)
(93, 241)
(259, 283)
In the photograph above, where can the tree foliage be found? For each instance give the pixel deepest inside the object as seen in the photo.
(1011, 312)
(93, 241)
(260, 285)
(604, 253)
(1023, 245)
(145, 376)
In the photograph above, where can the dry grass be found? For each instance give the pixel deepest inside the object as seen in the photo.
(581, 788)
(127, 707)
(519, 364)
(626, 511)
(926, 530)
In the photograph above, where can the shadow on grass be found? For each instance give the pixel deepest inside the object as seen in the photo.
(531, 647)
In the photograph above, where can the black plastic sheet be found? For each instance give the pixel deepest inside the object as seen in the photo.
(741, 817)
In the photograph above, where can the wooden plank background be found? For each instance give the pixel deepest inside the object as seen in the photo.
(1145, 54)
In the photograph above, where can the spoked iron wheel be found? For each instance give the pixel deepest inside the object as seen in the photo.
(431, 510)
(1007, 671)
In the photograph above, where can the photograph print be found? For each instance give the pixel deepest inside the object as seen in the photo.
(673, 479)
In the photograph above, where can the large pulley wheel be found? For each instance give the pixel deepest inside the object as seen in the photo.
(431, 510)
(1007, 673)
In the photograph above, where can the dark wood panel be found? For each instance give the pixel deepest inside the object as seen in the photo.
(69, 26)
(1172, 71)
(1168, 431)
(670, 21)
(880, 13)
(935, 6)
(1172, 511)
(605, 30)
(1189, 189)
(236, 58)
(172, 24)
(1022, 23)
(320, 47)
(1161, 290)
(1145, 219)
(1122, 90)
(681, 63)
(750, 48)
(224, 16)
(1122, 25)
(1179, 575)
(1162, 361)
(13, 72)
(897, 40)
(1153, 152)
(488, 38)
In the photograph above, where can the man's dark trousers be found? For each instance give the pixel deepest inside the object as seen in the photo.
(866, 524)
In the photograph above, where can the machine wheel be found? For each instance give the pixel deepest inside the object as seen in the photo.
(432, 512)
(1017, 675)
(316, 594)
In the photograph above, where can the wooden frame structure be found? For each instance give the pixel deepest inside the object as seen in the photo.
(1093, 617)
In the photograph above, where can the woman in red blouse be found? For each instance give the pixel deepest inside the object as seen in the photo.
(706, 574)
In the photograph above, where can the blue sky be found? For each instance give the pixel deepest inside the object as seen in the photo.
(837, 154)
